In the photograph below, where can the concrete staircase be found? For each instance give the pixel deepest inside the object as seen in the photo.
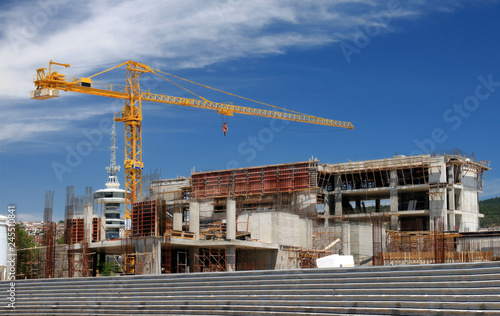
(448, 289)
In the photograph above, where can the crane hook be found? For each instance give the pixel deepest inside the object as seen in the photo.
(224, 128)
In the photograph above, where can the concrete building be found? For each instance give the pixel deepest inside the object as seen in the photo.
(418, 189)
(286, 216)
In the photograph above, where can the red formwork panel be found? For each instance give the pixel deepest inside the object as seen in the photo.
(144, 218)
(255, 180)
(95, 229)
(76, 230)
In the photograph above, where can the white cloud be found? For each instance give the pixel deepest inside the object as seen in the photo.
(166, 34)
(24, 217)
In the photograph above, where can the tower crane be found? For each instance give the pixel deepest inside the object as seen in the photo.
(49, 83)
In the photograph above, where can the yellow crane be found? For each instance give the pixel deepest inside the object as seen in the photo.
(49, 83)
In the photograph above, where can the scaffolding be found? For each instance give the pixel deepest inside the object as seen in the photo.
(429, 247)
(210, 260)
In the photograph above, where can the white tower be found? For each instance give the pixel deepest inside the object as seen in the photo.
(111, 197)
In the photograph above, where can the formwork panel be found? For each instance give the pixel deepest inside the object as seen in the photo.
(256, 180)
(144, 218)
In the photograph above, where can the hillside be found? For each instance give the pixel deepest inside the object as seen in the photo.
(491, 210)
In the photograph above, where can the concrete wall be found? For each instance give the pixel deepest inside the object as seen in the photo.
(206, 209)
(361, 241)
(281, 228)
(307, 203)
(287, 260)
(437, 171)
(470, 220)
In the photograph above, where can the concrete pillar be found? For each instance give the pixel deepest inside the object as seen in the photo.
(337, 183)
(394, 201)
(394, 222)
(156, 264)
(87, 222)
(346, 239)
(230, 258)
(377, 205)
(394, 179)
(102, 229)
(194, 218)
(358, 206)
(177, 222)
(451, 174)
(451, 220)
(327, 203)
(451, 199)
(231, 219)
(337, 195)
(338, 204)
(394, 191)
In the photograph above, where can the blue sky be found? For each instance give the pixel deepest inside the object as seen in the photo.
(412, 76)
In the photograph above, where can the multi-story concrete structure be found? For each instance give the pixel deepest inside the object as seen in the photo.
(284, 216)
(418, 190)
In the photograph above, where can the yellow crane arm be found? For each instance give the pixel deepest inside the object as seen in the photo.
(230, 109)
(57, 81)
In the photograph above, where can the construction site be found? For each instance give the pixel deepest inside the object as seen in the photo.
(400, 210)
(395, 211)
(250, 158)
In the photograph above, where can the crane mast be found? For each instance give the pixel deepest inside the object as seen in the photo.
(48, 84)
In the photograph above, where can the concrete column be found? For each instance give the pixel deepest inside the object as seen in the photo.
(338, 204)
(451, 199)
(156, 266)
(87, 222)
(394, 222)
(394, 201)
(102, 229)
(394, 179)
(327, 203)
(451, 220)
(451, 174)
(377, 205)
(337, 180)
(346, 239)
(231, 219)
(177, 222)
(230, 258)
(194, 218)
(394, 191)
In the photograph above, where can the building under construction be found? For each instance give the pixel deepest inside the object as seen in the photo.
(401, 210)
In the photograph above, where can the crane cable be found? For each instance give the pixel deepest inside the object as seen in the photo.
(232, 94)
(154, 72)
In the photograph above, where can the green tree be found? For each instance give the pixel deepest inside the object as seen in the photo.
(23, 240)
(27, 261)
(61, 240)
(490, 208)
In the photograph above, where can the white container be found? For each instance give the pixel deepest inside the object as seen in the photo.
(335, 261)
